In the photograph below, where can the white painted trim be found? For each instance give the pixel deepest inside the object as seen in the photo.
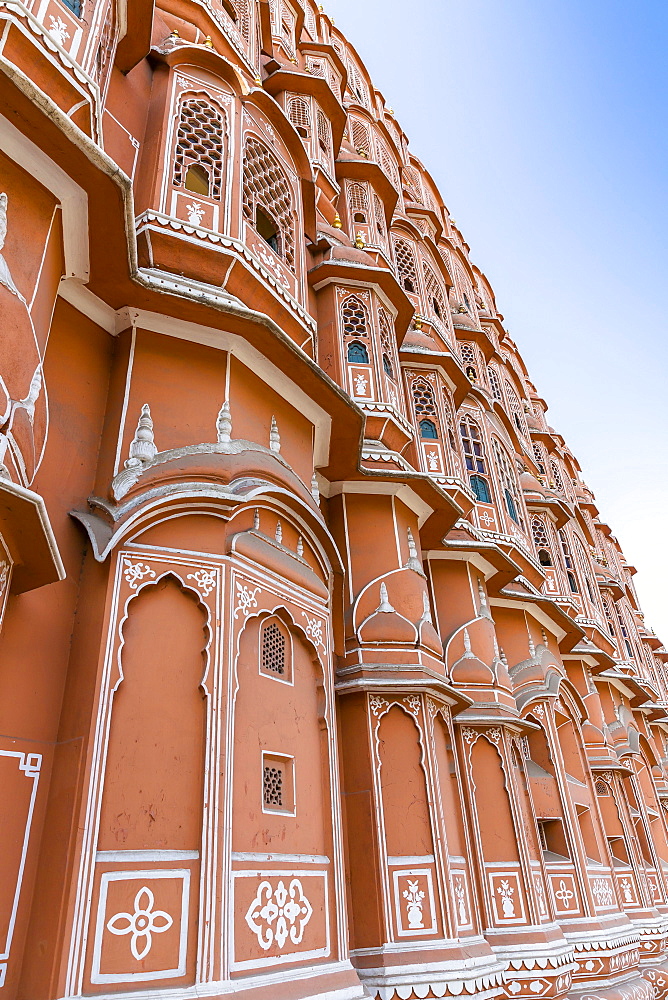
(147, 856)
(87, 303)
(140, 977)
(299, 859)
(406, 494)
(71, 196)
(31, 765)
(417, 859)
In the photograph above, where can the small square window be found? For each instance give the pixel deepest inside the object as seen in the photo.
(278, 784)
(275, 651)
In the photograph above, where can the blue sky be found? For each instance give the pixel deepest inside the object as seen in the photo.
(544, 125)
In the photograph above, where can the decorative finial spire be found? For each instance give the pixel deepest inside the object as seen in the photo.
(224, 423)
(337, 221)
(279, 533)
(384, 605)
(543, 636)
(359, 241)
(426, 609)
(468, 654)
(413, 560)
(417, 321)
(484, 606)
(300, 547)
(256, 519)
(208, 42)
(315, 489)
(503, 658)
(143, 445)
(532, 648)
(274, 437)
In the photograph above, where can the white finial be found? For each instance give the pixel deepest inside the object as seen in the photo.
(279, 532)
(503, 657)
(484, 606)
(256, 519)
(224, 424)
(532, 648)
(496, 647)
(468, 654)
(300, 547)
(426, 610)
(413, 560)
(544, 636)
(384, 605)
(315, 489)
(33, 393)
(274, 436)
(143, 445)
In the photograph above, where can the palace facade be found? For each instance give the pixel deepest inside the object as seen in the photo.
(320, 674)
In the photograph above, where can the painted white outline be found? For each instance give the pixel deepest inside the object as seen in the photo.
(140, 977)
(294, 956)
(30, 764)
(418, 931)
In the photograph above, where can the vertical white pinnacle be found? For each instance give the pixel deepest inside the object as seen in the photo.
(143, 445)
(224, 424)
(274, 436)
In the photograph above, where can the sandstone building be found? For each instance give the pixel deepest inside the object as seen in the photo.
(320, 674)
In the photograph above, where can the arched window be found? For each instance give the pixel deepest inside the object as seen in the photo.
(75, 6)
(516, 408)
(299, 114)
(358, 353)
(358, 202)
(480, 489)
(354, 317)
(199, 144)
(538, 456)
(541, 541)
(428, 429)
(508, 483)
(268, 199)
(275, 650)
(434, 292)
(324, 134)
(243, 20)
(608, 615)
(566, 551)
(572, 582)
(472, 443)
(423, 399)
(379, 213)
(387, 341)
(360, 137)
(469, 357)
(405, 258)
(494, 382)
(555, 472)
(413, 184)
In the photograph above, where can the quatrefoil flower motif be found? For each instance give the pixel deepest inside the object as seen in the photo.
(142, 924)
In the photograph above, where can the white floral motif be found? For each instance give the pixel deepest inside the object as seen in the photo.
(4, 574)
(314, 630)
(270, 261)
(134, 572)
(564, 894)
(58, 29)
(413, 704)
(494, 734)
(205, 579)
(470, 735)
(278, 914)
(377, 704)
(246, 599)
(602, 890)
(196, 212)
(486, 518)
(432, 460)
(414, 896)
(506, 892)
(361, 383)
(625, 886)
(141, 924)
